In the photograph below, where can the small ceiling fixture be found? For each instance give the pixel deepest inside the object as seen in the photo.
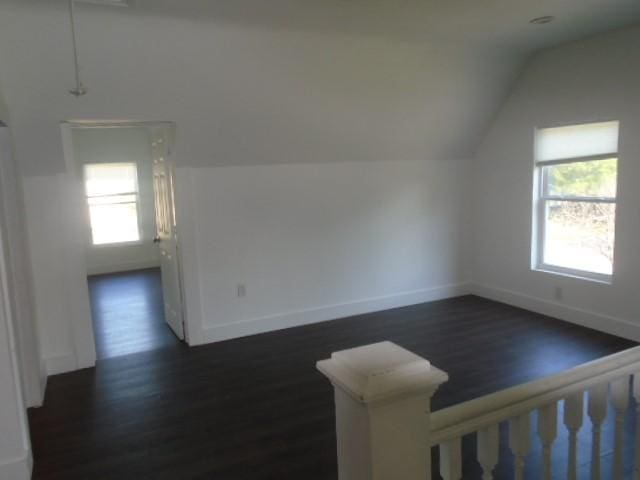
(542, 20)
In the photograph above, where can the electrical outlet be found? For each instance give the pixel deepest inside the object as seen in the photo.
(558, 294)
(241, 290)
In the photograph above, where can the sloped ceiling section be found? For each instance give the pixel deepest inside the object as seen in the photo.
(282, 81)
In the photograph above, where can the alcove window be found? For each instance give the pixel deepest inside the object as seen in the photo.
(112, 196)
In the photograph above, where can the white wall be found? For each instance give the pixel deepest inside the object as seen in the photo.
(362, 117)
(321, 241)
(18, 267)
(15, 452)
(56, 218)
(247, 94)
(591, 80)
(291, 109)
(17, 360)
(112, 145)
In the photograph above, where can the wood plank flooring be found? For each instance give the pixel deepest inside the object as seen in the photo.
(256, 408)
(128, 314)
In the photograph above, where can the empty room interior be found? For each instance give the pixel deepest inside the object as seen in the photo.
(319, 240)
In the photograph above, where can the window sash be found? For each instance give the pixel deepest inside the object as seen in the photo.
(579, 199)
(116, 199)
(587, 158)
(93, 173)
(543, 199)
(98, 238)
(549, 152)
(127, 195)
(542, 195)
(122, 194)
(574, 272)
(541, 265)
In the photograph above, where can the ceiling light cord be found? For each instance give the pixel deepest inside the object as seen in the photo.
(79, 89)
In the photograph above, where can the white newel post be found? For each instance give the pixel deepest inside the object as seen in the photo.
(383, 403)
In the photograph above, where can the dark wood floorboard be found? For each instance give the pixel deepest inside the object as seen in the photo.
(256, 408)
(128, 313)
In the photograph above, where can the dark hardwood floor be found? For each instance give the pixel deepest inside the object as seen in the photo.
(256, 408)
(128, 313)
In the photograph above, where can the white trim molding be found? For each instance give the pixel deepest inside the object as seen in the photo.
(597, 321)
(330, 312)
(65, 362)
(17, 469)
(44, 376)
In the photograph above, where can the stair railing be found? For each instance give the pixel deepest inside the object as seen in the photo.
(385, 427)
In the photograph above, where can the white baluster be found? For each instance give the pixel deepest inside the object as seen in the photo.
(451, 460)
(488, 445)
(597, 413)
(620, 402)
(573, 412)
(636, 397)
(520, 442)
(548, 431)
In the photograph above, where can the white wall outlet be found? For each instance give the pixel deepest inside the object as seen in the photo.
(241, 290)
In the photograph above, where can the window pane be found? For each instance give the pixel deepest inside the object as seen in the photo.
(112, 199)
(576, 141)
(114, 223)
(580, 236)
(582, 179)
(110, 178)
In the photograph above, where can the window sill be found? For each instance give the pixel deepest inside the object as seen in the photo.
(576, 275)
(133, 243)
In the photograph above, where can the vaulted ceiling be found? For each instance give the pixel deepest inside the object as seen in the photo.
(499, 23)
(273, 81)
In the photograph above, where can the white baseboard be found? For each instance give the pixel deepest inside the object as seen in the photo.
(44, 376)
(34, 391)
(18, 469)
(121, 267)
(604, 323)
(61, 363)
(331, 312)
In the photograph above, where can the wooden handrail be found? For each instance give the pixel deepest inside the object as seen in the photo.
(468, 417)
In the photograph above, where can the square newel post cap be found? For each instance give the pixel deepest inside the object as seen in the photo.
(381, 372)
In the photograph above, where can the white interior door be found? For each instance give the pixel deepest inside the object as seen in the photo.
(166, 232)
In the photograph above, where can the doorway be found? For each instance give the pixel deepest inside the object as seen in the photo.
(135, 290)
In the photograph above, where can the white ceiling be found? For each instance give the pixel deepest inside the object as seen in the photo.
(495, 22)
(278, 81)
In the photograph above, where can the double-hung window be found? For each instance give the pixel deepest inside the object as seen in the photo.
(112, 195)
(576, 193)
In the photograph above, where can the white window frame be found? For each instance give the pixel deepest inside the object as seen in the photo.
(540, 215)
(136, 193)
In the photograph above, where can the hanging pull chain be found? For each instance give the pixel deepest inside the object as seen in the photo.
(79, 89)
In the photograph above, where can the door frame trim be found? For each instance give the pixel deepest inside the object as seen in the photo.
(75, 276)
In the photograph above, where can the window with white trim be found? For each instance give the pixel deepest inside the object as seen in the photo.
(112, 196)
(576, 195)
